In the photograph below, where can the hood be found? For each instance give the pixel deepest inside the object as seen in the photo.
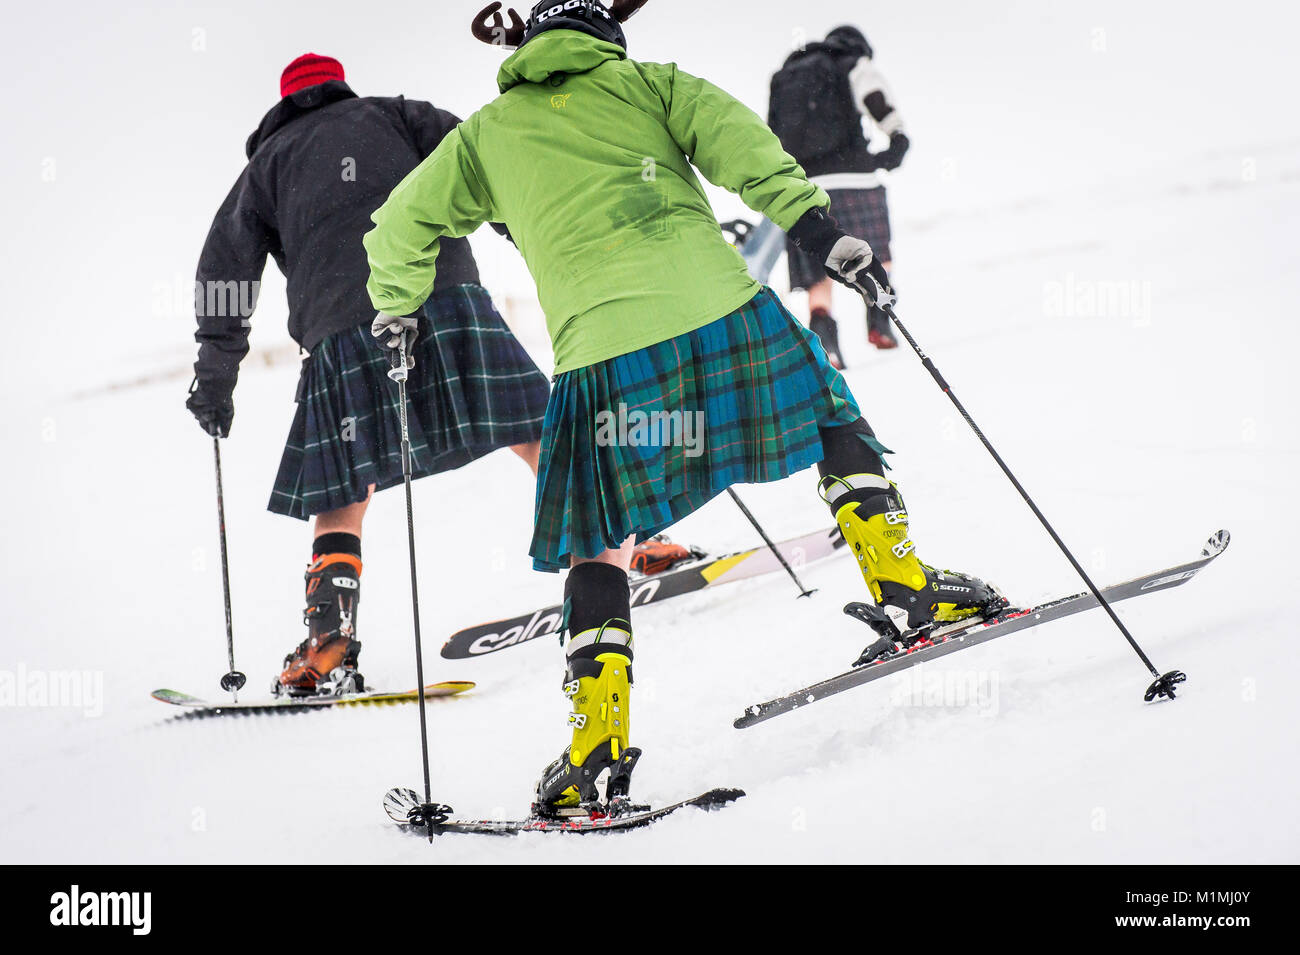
(295, 105)
(556, 51)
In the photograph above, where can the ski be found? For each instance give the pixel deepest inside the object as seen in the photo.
(682, 579)
(196, 707)
(980, 631)
(399, 803)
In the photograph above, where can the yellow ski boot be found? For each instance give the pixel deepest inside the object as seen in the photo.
(915, 596)
(598, 682)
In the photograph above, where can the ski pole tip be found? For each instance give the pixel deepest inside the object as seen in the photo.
(233, 681)
(1164, 686)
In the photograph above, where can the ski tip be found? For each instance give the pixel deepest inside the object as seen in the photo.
(1217, 544)
(175, 697)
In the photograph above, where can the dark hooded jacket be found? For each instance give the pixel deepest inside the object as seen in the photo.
(320, 162)
(813, 110)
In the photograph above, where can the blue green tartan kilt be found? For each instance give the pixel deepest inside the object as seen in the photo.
(473, 389)
(737, 401)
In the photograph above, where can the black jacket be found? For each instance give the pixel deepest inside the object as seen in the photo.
(817, 112)
(320, 162)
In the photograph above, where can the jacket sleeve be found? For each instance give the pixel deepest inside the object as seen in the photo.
(428, 124)
(443, 196)
(228, 280)
(874, 97)
(733, 147)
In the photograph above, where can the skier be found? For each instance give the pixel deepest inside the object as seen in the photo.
(818, 99)
(319, 163)
(586, 157)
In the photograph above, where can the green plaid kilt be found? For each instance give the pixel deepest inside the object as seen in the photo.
(633, 444)
(473, 389)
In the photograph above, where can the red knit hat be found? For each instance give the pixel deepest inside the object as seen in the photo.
(308, 70)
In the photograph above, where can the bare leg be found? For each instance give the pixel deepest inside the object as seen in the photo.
(819, 295)
(530, 452)
(345, 520)
(621, 558)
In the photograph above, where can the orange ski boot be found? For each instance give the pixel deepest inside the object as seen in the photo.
(326, 662)
(659, 554)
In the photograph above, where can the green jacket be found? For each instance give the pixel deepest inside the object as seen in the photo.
(586, 157)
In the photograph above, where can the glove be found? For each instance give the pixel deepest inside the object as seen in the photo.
(389, 330)
(211, 403)
(850, 261)
(846, 259)
(891, 157)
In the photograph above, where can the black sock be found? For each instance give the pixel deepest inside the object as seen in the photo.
(849, 450)
(336, 542)
(596, 594)
(820, 312)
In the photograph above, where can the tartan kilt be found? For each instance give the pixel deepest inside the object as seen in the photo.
(750, 391)
(473, 389)
(863, 214)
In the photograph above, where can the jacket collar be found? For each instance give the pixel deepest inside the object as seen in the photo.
(295, 105)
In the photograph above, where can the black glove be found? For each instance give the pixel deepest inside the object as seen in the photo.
(892, 157)
(211, 403)
(873, 283)
(846, 259)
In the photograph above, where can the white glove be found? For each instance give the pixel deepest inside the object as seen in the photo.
(848, 257)
(391, 329)
(852, 261)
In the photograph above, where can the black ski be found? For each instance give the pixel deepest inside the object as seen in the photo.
(685, 578)
(981, 631)
(399, 803)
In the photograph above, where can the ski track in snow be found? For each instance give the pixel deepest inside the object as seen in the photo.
(1139, 435)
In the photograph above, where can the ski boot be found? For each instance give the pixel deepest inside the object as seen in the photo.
(912, 599)
(599, 688)
(828, 333)
(878, 330)
(659, 554)
(326, 662)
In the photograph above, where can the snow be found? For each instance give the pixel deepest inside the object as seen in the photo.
(1094, 240)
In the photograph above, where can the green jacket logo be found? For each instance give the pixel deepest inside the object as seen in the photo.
(560, 100)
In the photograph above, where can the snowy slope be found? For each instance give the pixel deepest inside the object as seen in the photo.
(1141, 424)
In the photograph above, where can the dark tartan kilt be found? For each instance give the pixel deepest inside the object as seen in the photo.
(763, 385)
(863, 214)
(473, 389)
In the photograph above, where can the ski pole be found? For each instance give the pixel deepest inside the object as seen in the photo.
(1164, 683)
(233, 681)
(804, 591)
(428, 812)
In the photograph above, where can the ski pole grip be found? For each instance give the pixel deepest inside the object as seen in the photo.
(397, 364)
